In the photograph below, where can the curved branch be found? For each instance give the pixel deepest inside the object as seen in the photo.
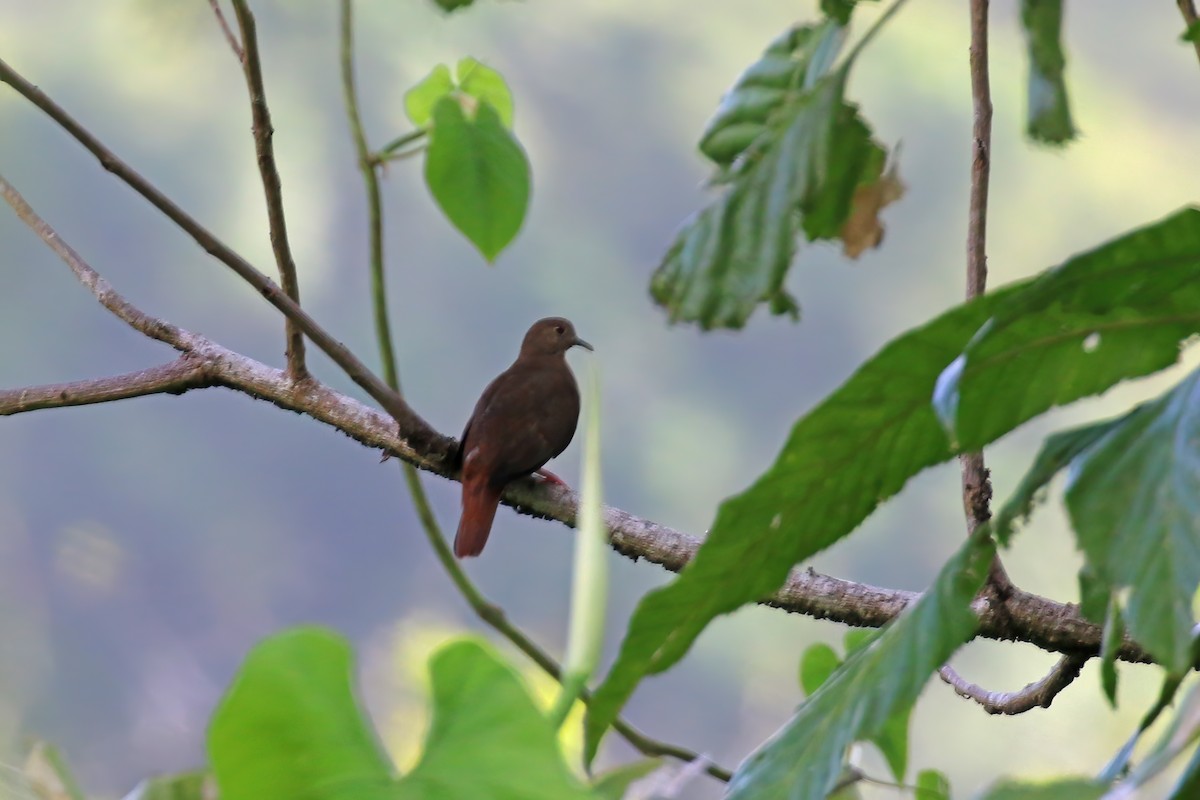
(1057, 627)
(269, 171)
(230, 39)
(1039, 694)
(417, 429)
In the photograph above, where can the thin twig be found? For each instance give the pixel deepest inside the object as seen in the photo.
(976, 479)
(422, 437)
(1039, 694)
(490, 613)
(269, 171)
(236, 47)
(1188, 9)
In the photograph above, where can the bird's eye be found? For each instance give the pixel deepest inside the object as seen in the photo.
(558, 329)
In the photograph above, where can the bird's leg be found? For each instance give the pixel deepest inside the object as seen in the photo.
(547, 476)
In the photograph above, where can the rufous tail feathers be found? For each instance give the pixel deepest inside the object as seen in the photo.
(479, 502)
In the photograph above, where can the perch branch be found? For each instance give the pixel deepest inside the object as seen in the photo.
(1052, 626)
(238, 52)
(264, 151)
(1039, 694)
(420, 433)
(487, 611)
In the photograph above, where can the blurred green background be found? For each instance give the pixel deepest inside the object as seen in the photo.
(145, 545)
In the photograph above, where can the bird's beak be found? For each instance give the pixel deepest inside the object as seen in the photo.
(582, 343)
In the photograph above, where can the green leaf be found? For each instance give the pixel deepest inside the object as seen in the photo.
(487, 739)
(1049, 112)
(1191, 33)
(452, 5)
(1113, 638)
(487, 86)
(820, 661)
(420, 99)
(1061, 789)
(857, 448)
(197, 785)
(1117, 312)
(816, 665)
(290, 726)
(1134, 501)
(932, 785)
(613, 784)
(861, 444)
(1188, 785)
(876, 683)
(1180, 736)
(792, 156)
(1057, 452)
(478, 174)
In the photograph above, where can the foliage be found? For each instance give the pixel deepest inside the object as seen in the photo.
(791, 156)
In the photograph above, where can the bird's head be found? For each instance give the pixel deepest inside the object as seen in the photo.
(551, 336)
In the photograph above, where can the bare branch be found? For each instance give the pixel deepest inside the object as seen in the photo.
(238, 52)
(1039, 694)
(423, 437)
(976, 478)
(1188, 9)
(175, 377)
(267, 168)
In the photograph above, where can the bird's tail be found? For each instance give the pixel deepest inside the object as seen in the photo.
(479, 502)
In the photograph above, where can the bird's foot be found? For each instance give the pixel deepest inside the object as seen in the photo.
(546, 476)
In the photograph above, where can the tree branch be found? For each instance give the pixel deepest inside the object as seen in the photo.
(1052, 626)
(269, 170)
(1039, 694)
(238, 52)
(423, 436)
(976, 478)
(175, 377)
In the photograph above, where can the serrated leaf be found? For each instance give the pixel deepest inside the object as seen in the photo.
(1048, 117)
(1119, 311)
(1134, 502)
(793, 156)
(1061, 789)
(487, 86)
(420, 99)
(932, 785)
(853, 451)
(816, 665)
(874, 684)
(478, 174)
(861, 444)
(290, 726)
(1056, 453)
(487, 738)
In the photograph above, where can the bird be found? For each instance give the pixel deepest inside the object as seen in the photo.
(524, 418)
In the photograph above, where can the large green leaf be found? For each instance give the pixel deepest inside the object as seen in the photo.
(488, 740)
(791, 156)
(863, 442)
(872, 687)
(478, 174)
(1134, 501)
(1116, 312)
(1049, 112)
(290, 726)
